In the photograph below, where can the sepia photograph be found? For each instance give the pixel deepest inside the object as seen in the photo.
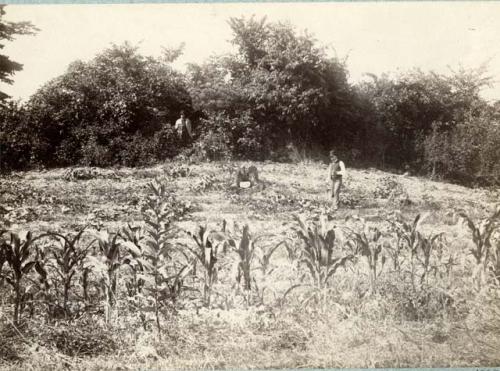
(221, 186)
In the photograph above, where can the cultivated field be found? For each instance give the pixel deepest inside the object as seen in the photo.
(367, 288)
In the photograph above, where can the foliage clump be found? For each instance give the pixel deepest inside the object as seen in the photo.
(82, 338)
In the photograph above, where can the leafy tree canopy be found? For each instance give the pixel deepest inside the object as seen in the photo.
(105, 102)
(408, 107)
(281, 79)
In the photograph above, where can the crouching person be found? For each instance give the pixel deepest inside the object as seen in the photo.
(245, 174)
(336, 171)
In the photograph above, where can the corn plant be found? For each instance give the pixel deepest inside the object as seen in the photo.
(106, 263)
(244, 246)
(44, 286)
(482, 233)
(205, 253)
(162, 275)
(429, 245)
(410, 239)
(318, 251)
(132, 237)
(67, 256)
(395, 252)
(368, 243)
(263, 255)
(19, 252)
(320, 254)
(421, 248)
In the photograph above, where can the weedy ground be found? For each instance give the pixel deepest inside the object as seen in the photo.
(349, 328)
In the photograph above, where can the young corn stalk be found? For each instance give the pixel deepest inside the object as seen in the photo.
(368, 243)
(163, 276)
(67, 256)
(482, 251)
(244, 245)
(205, 252)
(44, 287)
(422, 249)
(396, 250)
(112, 255)
(320, 255)
(133, 237)
(429, 245)
(245, 249)
(264, 254)
(19, 252)
(410, 239)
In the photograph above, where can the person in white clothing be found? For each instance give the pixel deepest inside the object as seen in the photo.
(183, 128)
(336, 172)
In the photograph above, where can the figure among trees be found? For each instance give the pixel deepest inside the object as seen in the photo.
(183, 129)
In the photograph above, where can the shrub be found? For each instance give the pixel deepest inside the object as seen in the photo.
(482, 325)
(80, 338)
(203, 183)
(114, 109)
(224, 136)
(11, 346)
(417, 305)
(164, 143)
(388, 188)
(177, 171)
(468, 154)
(213, 146)
(403, 109)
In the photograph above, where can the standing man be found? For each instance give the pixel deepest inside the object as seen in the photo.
(336, 171)
(183, 128)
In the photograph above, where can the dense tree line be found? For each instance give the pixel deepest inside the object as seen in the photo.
(279, 89)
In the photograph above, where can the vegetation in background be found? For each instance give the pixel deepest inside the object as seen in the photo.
(277, 95)
(109, 111)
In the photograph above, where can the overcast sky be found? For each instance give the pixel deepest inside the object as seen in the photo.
(375, 37)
